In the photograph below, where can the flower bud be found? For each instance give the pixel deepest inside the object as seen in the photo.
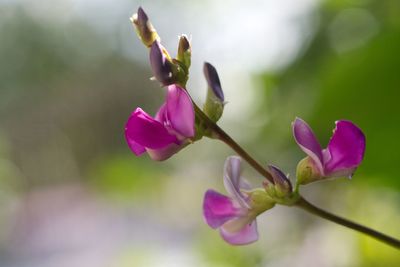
(164, 70)
(144, 28)
(283, 186)
(281, 189)
(307, 171)
(184, 51)
(214, 105)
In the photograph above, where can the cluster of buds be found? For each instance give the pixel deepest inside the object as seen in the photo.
(179, 122)
(175, 125)
(166, 70)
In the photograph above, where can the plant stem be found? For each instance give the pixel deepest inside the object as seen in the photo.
(223, 136)
(304, 204)
(301, 203)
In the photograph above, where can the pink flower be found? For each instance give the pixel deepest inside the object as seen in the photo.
(166, 133)
(235, 215)
(343, 155)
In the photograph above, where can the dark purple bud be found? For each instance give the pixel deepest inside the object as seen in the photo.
(144, 28)
(162, 67)
(280, 179)
(213, 80)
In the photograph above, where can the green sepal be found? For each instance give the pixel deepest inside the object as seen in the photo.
(307, 172)
(213, 107)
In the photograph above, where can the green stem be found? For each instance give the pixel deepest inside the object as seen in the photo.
(304, 204)
(301, 202)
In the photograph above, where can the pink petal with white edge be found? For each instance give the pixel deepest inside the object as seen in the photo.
(247, 235)
(180, 111)
(305, 138)
(164, 153)
(232, 180)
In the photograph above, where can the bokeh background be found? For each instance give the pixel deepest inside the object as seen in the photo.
(71, 192)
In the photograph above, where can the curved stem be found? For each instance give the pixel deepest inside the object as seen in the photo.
(301, 203)
(304, 204)
(238, 149)
(223, 136)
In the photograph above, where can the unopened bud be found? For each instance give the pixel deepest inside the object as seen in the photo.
(144, 28)
(281, 189)
(213, 81)
(214, 105)
(184, 51)
(163, 68)
(281, 182)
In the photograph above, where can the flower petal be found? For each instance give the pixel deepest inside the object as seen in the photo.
(162, 68)
(346, 149)
(135, 147)
(143, 130)
(213, 81)
(166, 152)
(232, 180)
(248, 234)
(233, 170)
(180, 111)
(161, 114)
(218, 209)
(237, 224)
(307, 141)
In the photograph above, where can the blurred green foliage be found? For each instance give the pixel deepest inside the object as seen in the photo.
(122, 179)
(65, 96)
(350, 70)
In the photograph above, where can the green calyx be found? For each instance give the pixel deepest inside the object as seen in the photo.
(307, 172)
(213, 106)
(260, 201)
(281, 194)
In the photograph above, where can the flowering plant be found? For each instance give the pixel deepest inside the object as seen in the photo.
(180, 122)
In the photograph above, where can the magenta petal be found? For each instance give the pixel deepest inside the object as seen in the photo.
(307, 141)
(232, 180)
(346, 149)
(180, 111)
(248, 234)
(146, 131)
(135, 147)
(218, 209)
(164, 153)
(161, 114)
